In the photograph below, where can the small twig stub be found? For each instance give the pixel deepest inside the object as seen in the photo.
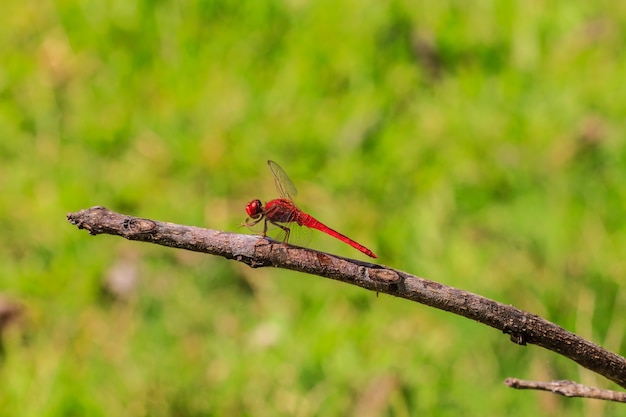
(568, 389)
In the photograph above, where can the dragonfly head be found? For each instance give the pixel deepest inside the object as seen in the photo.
(254, 209)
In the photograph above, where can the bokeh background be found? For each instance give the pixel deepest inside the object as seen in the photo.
(478, 144)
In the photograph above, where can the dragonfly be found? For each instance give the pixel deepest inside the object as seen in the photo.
(283, 212)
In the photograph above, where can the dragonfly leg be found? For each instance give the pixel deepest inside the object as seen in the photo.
(285, 229)
(251, 221)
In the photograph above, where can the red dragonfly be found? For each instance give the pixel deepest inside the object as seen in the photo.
(283, 211)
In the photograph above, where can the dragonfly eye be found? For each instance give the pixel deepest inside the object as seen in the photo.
(254, 208)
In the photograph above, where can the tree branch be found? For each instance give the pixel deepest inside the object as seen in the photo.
(568, 389)
(523, 327)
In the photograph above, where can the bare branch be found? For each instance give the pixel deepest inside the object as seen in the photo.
(523, 327)
(568, 389)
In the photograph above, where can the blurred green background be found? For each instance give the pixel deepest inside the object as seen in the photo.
(478, 144)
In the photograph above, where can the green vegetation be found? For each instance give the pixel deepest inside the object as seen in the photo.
(480, 145)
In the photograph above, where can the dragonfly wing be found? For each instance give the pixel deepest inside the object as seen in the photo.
(284, 186)
(298, 235)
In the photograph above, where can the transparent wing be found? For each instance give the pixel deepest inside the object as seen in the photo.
(284, 186)
(298, 235)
